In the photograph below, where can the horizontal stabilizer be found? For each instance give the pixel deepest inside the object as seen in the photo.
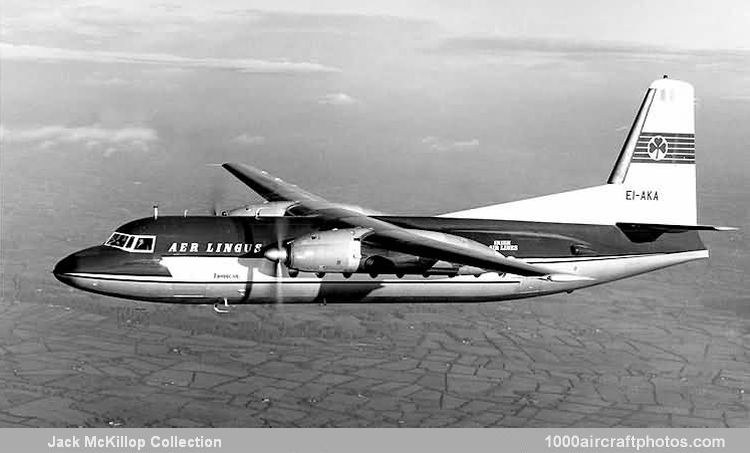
(666, 228)
(647, 232)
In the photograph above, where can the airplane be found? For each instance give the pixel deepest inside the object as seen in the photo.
(300, 248)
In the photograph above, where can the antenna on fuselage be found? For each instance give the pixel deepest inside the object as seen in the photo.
(156, 211)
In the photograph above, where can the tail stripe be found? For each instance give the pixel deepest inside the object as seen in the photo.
(665, 161)
(664, 148)
(666, 134)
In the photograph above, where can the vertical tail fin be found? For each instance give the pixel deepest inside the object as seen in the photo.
(657, 161)
(653, 181)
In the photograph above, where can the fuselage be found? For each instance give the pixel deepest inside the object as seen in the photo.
(209, 259)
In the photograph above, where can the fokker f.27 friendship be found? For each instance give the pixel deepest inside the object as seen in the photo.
(299, 248)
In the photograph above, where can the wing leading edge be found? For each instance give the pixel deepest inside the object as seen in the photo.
(270, 187)
(391, 236)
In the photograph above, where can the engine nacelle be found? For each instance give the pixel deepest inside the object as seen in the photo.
(327, 251)
(341, 251)
(271, 209)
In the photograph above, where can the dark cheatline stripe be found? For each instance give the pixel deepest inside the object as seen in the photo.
(291, 281)
(412, 279)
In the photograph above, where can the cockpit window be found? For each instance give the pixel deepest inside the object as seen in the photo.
(117, 240)
(144, 244)
(132, 242)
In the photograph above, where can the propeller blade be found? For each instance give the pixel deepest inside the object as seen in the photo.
(216, 192)
(279, 289)
(280, 228)
(279, 256)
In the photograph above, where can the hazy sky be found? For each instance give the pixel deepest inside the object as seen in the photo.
(688, 23)
(420, 106)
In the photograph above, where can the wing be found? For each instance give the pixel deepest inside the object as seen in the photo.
(269, 187)
(391, 236)
(419, 243)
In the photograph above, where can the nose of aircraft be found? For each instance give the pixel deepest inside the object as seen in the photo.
(101, 260)
(65, 267)
(91, 259)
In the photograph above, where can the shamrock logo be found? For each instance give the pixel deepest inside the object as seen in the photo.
(657, 148)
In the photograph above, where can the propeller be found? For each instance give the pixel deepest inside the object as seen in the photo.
(216, 192)
(279, 255)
